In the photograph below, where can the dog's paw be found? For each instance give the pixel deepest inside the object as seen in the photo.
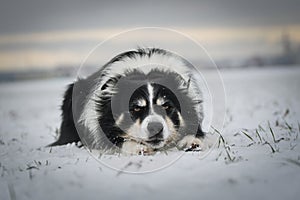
(134, 148)
(191, 143)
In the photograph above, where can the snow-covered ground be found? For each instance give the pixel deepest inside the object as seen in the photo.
(259, 157)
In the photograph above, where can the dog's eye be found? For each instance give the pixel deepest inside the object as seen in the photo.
(137, 109)
(166, 106)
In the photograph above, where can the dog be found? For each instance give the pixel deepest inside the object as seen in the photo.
(140, 102)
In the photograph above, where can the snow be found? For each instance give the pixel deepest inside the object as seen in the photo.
(263, 100)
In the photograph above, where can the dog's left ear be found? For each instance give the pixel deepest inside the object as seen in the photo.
(188, 82)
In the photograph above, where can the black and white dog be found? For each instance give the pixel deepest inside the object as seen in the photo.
(141, 101)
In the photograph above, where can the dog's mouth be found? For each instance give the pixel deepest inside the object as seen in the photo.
(155, 141)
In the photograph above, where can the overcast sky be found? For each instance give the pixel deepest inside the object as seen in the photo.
(228, 28)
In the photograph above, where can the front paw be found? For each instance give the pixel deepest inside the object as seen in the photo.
(133, 148)
(191, 143)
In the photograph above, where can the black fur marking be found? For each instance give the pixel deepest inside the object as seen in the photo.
(68, 132)
(136, 111)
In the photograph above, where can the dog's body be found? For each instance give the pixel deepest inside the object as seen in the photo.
(141, 101)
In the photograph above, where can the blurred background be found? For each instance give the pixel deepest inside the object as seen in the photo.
(42, 39)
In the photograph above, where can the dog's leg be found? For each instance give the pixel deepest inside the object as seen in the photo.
(193, 142)
(190, 143)
(133, 148)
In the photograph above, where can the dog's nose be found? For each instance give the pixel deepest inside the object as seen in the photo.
(155, 128)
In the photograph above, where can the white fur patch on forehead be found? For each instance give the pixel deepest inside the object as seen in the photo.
(151, 93)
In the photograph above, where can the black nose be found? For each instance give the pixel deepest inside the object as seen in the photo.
(155, 129)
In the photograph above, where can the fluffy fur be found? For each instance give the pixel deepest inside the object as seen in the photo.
(141, 101)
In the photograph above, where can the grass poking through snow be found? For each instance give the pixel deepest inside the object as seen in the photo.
(271, 137)
(230, 157)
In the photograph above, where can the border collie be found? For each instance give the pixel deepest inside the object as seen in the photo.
(141, 101)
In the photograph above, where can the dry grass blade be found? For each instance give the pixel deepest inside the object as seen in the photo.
(257, 133)
(261, 128)
(226, 147)
(272, 148)
(273, 136)
(229, 156)
(31, 167)
(219, 142)
(218, 132)
(272, 133)
(248, 136)
(287, 111)
(288, 126)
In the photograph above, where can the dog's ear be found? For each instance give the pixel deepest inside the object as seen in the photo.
(110, 83)
(188, 82)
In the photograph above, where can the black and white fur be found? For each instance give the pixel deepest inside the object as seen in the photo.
(141, 101)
